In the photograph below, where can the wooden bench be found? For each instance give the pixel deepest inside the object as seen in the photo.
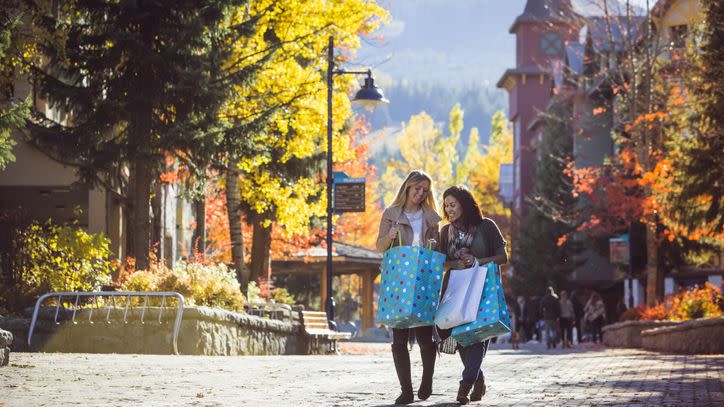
(320, 339)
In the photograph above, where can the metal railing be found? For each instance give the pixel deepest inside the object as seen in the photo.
(111, 305)
(281, 312)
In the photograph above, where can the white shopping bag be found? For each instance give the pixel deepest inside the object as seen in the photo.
(460, 303)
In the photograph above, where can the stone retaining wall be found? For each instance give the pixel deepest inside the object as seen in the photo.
(203, 331)
(628, 334)
(6, 338)
(699, 336)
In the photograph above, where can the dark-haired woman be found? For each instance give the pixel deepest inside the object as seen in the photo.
(412, 220)
(469, 237)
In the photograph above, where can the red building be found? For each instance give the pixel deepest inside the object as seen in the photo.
(541, 32)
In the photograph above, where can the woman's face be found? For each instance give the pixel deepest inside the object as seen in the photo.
(417, 193)
(453, 209)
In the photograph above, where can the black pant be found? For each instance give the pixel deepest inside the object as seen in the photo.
(596, 325)
(566, 329)
(423, 334)
(579, 330)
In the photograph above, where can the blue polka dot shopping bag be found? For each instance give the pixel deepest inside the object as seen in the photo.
(492, 319)
(409, 287)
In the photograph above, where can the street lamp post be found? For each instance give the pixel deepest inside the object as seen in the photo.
(368, 96)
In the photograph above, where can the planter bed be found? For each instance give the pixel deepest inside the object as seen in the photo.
(698, 336)
(628, 334)
(203, 331)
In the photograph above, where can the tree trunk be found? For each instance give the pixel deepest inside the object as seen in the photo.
(199, 241)
(158, 220)
(233, 208)
(652, 266)
(141, 222)
(260, 249)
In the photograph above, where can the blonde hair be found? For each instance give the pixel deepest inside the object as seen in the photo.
(413, 178)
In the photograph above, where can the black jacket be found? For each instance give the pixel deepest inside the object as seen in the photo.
(550, 307)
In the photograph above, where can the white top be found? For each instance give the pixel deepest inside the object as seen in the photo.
(415, 219)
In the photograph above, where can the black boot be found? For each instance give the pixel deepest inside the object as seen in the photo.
(428, 353)
(463, 391)
(478, 390)
(401, 356)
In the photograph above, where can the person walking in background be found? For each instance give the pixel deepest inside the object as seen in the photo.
(531, 318)
(412, 220)
(515, 328)
(577, 315)
(550, 308)
(595, 312)
(566, 320)
(520, 323)
(469, 237)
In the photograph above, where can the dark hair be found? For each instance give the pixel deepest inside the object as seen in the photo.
(471, 215)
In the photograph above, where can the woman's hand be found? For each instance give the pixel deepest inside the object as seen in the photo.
(468, 259)
(392, 234)
(431, 242)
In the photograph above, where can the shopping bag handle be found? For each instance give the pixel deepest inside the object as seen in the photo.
(399, 237)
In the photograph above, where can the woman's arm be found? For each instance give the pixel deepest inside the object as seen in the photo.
(383, 239)
(435, 235)
(500, 257)
(454, 265)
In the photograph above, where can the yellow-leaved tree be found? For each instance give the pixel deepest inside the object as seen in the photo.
(277, 179)
(423, 145)
(485, 179)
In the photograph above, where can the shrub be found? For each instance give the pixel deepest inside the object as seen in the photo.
(265, 291)
(207, 284)
(49, 257)
(632, 314)
(695, 303)
(252, 293)
(698, 302)
(280, 295)
(655, 313)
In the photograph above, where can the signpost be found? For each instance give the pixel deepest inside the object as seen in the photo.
(620, 254)
(349, 193)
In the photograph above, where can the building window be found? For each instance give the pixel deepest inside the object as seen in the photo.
(678, 34)
(551, 44)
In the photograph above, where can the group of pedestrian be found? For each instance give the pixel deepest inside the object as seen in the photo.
(553, 317)
(412, 219)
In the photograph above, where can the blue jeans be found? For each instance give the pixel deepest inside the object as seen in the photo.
(472, 357)
(551, 333)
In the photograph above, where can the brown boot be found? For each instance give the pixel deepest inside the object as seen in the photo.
(463, 391)
(478, 390)
(401, 356)
(428, 353)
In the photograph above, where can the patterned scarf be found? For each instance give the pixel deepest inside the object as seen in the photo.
(458, 240)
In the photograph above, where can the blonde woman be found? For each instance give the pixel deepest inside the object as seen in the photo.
(413, 215)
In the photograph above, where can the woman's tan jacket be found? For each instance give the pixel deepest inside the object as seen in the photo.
(396, 215)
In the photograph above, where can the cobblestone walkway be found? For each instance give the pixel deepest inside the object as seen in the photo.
(530, 376)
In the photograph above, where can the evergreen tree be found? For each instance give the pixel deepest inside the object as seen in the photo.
(540, 260)
(135, 79)
(13, 112)
(699, 163)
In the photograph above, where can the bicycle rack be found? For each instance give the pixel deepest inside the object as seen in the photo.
(112, 305)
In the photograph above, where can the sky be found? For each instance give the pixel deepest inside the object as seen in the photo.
(455, 42)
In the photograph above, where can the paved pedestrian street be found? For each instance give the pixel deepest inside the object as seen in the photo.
(363, 376)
